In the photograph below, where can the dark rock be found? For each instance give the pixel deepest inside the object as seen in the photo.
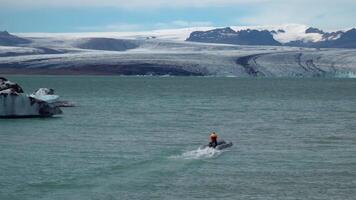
(229, 36)
(314, 30)
(278, 31)
(281, 31)
(255, 37)
(6, 85)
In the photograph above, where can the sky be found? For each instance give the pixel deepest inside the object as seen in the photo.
(142, 15)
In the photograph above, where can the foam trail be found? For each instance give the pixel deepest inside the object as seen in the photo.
(200, 153)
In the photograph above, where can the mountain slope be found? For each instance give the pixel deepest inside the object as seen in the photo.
(346, 40)
(229, 36)
(108, 44)
(314, 38)
(7, 39)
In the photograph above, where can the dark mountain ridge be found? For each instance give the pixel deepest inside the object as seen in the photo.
(229, 36)
(338, 39)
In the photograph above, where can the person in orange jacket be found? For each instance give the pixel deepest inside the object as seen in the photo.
(213, 140)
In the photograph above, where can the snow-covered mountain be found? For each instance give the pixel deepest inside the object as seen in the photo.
(287, 32)
(288, 35)
(283, 33)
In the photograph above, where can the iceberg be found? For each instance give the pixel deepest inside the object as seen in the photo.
(14, 103)
(45, 94)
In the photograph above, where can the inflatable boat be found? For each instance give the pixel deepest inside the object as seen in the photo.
(221, 144)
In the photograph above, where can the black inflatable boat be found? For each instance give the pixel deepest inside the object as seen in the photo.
(221, 144)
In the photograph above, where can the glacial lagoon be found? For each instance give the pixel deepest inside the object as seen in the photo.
(139, 138)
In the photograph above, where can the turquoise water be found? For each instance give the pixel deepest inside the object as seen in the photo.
(139, 138)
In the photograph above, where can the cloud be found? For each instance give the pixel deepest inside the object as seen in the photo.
(325, 14)
(113, 27)
(125, 3)
(118, 27)
(182, 24)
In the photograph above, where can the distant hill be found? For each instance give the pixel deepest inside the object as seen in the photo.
(6, 39)
(346, 40)
(229, 36)
(108, 44)
(338, 39)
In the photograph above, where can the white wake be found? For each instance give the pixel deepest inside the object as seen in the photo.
(200, 153)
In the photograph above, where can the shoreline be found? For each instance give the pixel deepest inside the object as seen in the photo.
(105, 70)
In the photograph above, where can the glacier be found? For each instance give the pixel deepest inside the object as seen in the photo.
(150, 54)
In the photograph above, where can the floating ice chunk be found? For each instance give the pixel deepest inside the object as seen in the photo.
(14, 103)
(45, 94)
